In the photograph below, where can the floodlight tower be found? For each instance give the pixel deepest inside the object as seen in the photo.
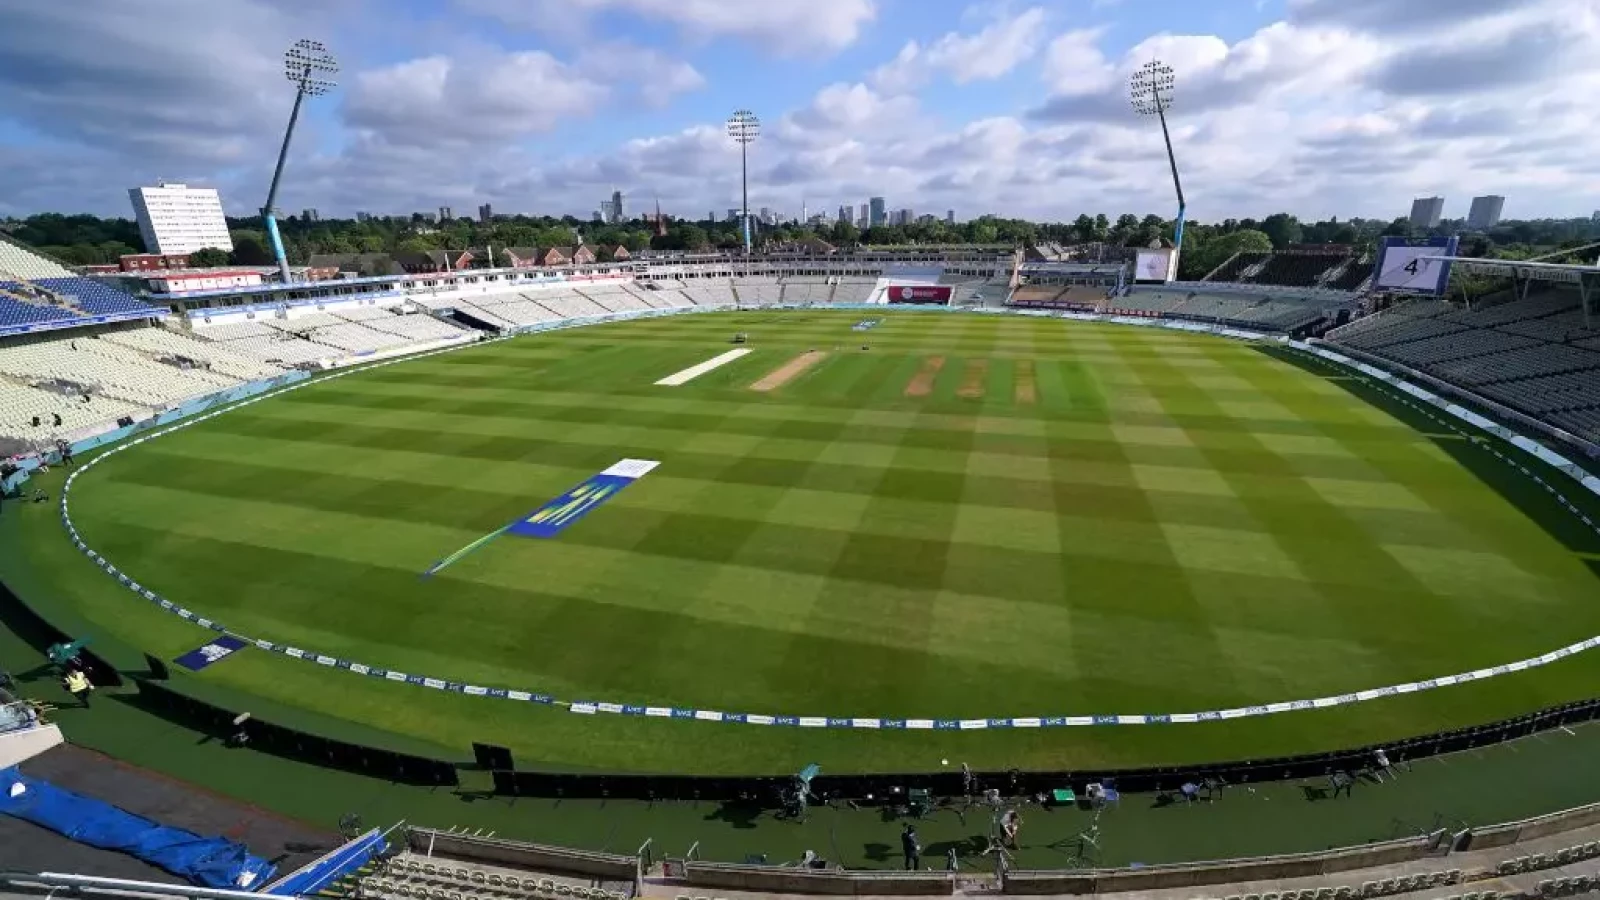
(310, 67)
(744, 128)
(1150, 91)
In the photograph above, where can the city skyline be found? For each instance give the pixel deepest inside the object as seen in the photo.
(1320, 106)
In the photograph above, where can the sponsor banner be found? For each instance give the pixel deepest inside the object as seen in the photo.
(918, 293)
(214, 652)
(561, 513)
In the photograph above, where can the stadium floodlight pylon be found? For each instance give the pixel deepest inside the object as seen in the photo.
(744, 127)
(310, 67)
(1150, 91)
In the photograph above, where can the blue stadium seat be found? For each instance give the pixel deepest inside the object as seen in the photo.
(95, 298)
(16, 312)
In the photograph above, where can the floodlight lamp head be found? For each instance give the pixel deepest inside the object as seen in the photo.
(1150, 88)
(743, 126)
(310, 67)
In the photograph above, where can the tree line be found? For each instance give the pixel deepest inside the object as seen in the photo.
(88, 240)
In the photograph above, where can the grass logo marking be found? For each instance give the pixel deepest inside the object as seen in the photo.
(556, 516)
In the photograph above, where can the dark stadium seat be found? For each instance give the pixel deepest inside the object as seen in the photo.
(1233, 268)
(1352, 277)
(1295, 270)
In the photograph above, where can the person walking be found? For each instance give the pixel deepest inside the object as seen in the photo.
(912, 848)
(79, 686)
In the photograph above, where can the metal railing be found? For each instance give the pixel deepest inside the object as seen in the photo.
(52, 882)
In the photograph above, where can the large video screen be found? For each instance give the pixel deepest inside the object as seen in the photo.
(1414, 268)
(1153, 265)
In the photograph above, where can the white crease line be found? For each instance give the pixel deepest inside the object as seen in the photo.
(694, 372)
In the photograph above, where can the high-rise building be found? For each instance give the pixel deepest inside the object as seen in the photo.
(711, 216)
(862, 218)
(485, 213)
(176, 219)
(363, 217)
(309, 214)
(446, 214)
(765, 217)
(845, 213)
(733, 214)
(904, 217)
(600, 216)
(616, 207)
(877, 215)
(950, 217)
(1485, 212)
(1426, 212)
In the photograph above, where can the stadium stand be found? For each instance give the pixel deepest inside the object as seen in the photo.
(355, 338)
(611, 297)
(1295, 270)
(710, 293)
(1255, 309)
(14, 310)
(231, 331)
(566, 303)
(364, 313)
(1235, 268)
(415, 328)
(1352, 278)
(162, 343)
(853, 290)
(806, 291)
(1037, 294)
(660, 298)
(1533, 355)
(27, 265)
(94, 366)
(94, 297)
(758, 291)
(1157, 302)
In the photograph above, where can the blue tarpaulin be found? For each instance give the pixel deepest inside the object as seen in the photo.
(207, 862)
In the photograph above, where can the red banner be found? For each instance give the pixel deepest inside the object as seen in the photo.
(918, 293)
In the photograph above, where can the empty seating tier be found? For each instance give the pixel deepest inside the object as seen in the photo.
(1295, 270)
(24, 263)
(96, 298)
(1534, 355)
(1233, 268)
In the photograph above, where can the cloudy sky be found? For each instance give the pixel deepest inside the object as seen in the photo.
(1319, 107)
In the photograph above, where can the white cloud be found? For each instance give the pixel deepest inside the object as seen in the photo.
(843, 110)
(990, 53)
(792, 26)
(1073, 63)
(440, 100)
(653, 76)
(1333, 110)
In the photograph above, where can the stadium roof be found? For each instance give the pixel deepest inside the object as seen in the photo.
(1560, 273)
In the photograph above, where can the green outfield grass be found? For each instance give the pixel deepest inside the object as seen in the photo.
(979, 516)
